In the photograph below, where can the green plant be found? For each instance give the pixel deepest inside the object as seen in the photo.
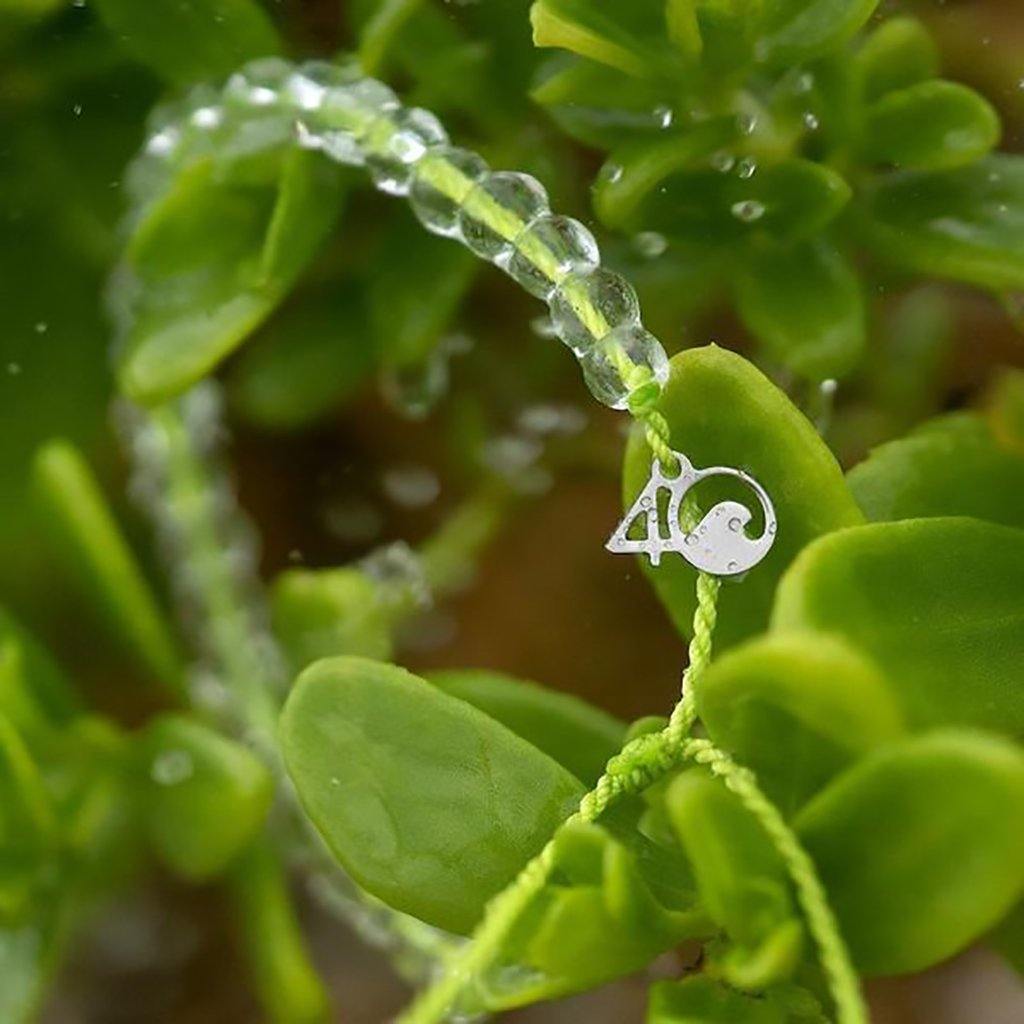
(836, 795)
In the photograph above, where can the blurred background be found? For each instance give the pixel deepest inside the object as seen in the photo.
(385, 444)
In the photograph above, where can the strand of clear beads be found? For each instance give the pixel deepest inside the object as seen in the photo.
(502, 216)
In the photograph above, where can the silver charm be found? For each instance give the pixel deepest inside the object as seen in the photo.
(718, 544)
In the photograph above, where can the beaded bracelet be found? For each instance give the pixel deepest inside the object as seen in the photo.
(503, 217)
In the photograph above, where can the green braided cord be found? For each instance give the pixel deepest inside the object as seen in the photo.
(835, 959)
(639, 764)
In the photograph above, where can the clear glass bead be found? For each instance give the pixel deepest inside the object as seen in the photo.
(624, 361)
(259, 83)
(356, 106)
(408, 133)
(459, 170)
(586, 306)
(497, 210)
(550, 247)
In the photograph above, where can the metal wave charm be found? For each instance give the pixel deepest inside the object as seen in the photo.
(718, 544)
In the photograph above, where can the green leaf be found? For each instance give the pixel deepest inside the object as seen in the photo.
(936, 603)
(966, 224)
(798, 30)
(599, 105)
(722, 411)
(305, 363)
(577, 735)
(1008, 938)
(700, 999)
(92, 545)
(430, 805)
(796, 708)
(414, 290)
(189, 42)
(596, 920)
(899, 53)
(207, 796)
(321, 613)
(741, 879)
(920, 848)
(27, 959)
(804, 304)
(787, 200)
(32, 686)
(279, 963)
(1005, 409)
(212, 259)
(930, 126)
(630, 37)
(951, 466)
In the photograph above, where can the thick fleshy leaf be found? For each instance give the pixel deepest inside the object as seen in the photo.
(701, 999)
(952, 466)
(189, 42)
(919, 847)
(787, 200)
(741, 879)
(804, 304)
(966, 224)
(206, 796)
(797, 708)
(92, 545)
(212, 259)
(799, 30)
(577, 735)
(899, 53)
(630, 37)
(1008, 938)
(936, 602)
(722, 411)
(431, 805)
(598, 919)
(306, 362)
(931, 125)
(322, 613)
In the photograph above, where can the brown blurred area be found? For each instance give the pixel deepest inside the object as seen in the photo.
(548, 604)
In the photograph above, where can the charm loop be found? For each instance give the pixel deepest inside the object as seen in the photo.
(718, 544)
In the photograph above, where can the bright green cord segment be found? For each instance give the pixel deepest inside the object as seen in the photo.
(641, 763)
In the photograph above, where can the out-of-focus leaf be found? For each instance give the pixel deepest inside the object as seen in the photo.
(951, 466)
(577, 735)
(931, 125)
(1008, 938)
(796, 708)
(27, 958)
(741, 879)
(936, 603)
(798, 30)
(899, 53)
(30, 680)
(630, 37)
(288, 984)
(919, 847)
(722, 411)
(189, 42)
(207, 796)
(305, 363)
(321, 613)
(212, 259)
(804, 303)
(415, 288)
(1005, 410)
(430, 804)
(92, 545)
(967, 224)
